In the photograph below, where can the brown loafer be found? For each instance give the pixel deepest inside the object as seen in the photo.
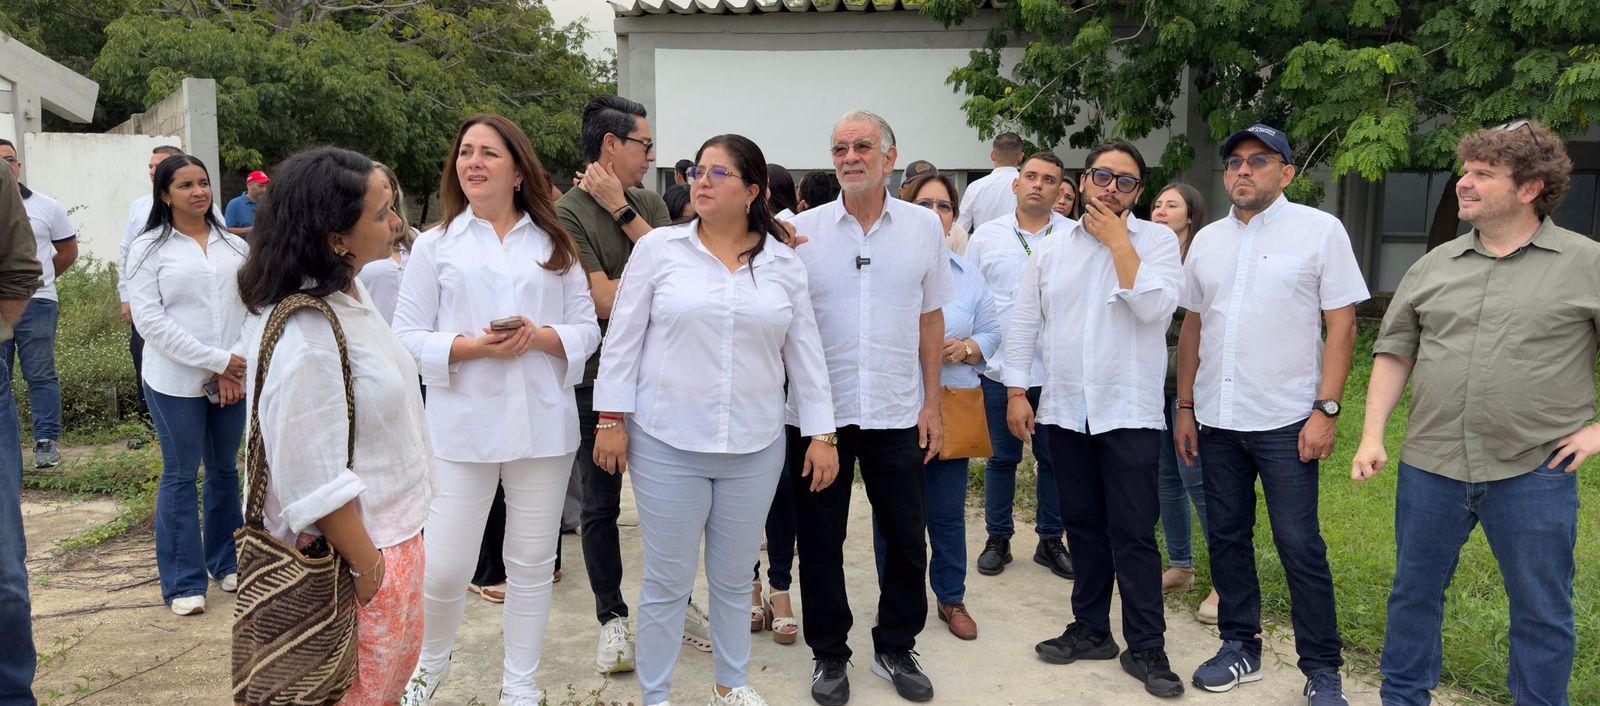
(959, 620)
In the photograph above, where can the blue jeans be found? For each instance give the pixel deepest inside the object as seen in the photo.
(16, 645)
(946, 498)
(1000, 473)
(1178, 484)
(1531, 522)
(35, 346)
(1234, 459)
(191, 430)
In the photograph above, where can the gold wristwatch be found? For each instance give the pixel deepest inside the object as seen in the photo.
(829, 439)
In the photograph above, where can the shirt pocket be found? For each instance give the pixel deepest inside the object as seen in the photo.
(1277, 275)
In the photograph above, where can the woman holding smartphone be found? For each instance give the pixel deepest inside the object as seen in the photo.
(496, 310)
(700, 302)
(185, 302)
(330, 213)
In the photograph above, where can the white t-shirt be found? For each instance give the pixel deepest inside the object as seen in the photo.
(1260, 290)
(988, 198)
(50, 226)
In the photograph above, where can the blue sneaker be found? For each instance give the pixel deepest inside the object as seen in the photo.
(1232, 666)
(1325, 689)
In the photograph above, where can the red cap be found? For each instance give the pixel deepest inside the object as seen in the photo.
(258, 176)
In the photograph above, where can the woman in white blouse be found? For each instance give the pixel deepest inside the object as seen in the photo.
(329, 213)
(496, 310)
(382, 276)
(185, 303)
(709, 318)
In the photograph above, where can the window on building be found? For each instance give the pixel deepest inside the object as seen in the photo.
(1409, 200)
(1577, 212)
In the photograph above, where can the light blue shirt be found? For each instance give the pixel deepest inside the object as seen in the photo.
(971, 314)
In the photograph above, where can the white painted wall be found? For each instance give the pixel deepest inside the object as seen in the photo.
(791, 117)
(98, 175)
(8, 127)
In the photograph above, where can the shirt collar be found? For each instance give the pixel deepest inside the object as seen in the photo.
(1543, 238)
(773, 249)
(1277, 208)
(27, 193)
(842, 213)
(467, 218)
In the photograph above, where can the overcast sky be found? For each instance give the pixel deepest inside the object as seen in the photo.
(595, 14)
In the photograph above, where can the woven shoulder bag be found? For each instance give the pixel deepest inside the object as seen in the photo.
(294, 628)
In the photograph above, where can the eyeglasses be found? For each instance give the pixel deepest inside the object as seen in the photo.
(1259, 160)
(714, 174)
(841, 149)
(1520, 125)
(649, 145)
(1103, 178)
(936, 205)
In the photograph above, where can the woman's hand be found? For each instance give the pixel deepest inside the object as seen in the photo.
(229, 389)
(235, 368)
(504, 344)
(821, 465)
(611, 449)
(367, 584)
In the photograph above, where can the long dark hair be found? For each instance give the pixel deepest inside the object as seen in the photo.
(533, 198)
(161, 211)
(677, 196)
(747, 158)
(314, 195)
(783, 196)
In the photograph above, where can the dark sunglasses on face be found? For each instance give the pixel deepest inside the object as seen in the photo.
(1103, 178)
(935, 204)
(1259, 160)
(715, 174)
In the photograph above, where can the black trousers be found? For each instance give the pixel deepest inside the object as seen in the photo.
(136, 351)
(780, 520)
(602, 504)
(1109, 506)
(891, 468)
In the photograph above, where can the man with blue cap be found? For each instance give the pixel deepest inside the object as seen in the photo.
(1258, 397)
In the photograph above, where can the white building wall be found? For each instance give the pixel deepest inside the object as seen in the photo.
(95, 177)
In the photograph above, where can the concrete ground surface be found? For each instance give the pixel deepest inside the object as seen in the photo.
(98, 615)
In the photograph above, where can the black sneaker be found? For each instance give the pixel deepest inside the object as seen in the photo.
(902, 670)
(1078, 642)
(996, 554)
(830, 685)
(1052, 554)
(1150, 666)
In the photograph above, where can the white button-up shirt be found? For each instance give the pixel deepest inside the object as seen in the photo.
(1105, 347)
(304, 428)
(489, 410)
(698, 354)
(988, 198)
(1260, 290)
(185, 303)
(1000, 249)
(382, 278)
(970, 314)
(138, 216)
(50, 226)
(870, 314)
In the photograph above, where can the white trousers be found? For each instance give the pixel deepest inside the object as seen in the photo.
(535, 490)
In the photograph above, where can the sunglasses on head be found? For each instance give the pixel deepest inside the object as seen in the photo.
(1516, 125)
(1103, 178)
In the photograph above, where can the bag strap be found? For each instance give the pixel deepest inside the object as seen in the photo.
(256, 462)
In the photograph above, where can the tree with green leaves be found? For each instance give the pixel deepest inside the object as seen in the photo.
(1363, 87)
(390, 79)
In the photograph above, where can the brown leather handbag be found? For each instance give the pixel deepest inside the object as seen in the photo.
(966, 428)
(294, 627)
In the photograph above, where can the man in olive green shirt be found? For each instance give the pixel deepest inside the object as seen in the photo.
(606, 214)
(1498, 331)
(19, 279)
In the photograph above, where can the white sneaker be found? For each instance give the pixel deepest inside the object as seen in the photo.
(615, 652)
(230, 583)
(536, 700)
(740, 696)
(696, 628)
(189, 605)
(424, 681)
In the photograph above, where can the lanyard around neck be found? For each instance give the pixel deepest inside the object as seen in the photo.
(1024, 241)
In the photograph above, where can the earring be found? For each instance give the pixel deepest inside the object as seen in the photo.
(747, 208)
(341, 251)
(517, 188)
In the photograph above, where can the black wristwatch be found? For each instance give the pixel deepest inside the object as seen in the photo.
(1328, 407)
(625, 217)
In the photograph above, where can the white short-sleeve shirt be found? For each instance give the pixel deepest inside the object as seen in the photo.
(988, 198)
(869, 292)
(1260, 290)
(50, 226)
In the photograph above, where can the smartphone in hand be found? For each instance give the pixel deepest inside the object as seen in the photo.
(509, 323)
(213, 392)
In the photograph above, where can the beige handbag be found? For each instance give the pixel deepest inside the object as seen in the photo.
(294, 628)
(966, 429)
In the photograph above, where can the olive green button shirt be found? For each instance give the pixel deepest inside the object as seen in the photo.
(19, 266)
(1505, 352)
(601, 243)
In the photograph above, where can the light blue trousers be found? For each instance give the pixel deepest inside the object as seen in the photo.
(683, 496)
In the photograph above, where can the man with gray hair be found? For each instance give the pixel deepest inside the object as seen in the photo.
(878, 280)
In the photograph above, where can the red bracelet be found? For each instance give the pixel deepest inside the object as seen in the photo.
(1016, 395)
(611, 417)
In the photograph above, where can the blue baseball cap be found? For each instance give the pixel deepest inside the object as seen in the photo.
(1270, 136)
